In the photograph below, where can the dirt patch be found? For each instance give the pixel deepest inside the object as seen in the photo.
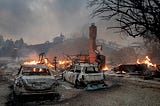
(126, 94)
(4, 92)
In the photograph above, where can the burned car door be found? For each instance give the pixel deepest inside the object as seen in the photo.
(68, 75)
(76, 74)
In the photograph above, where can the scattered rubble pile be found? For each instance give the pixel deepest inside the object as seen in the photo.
(143, 68)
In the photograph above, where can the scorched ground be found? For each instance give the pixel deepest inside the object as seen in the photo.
(122, 92)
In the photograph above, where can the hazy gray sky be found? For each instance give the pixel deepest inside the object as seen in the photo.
(40, 20)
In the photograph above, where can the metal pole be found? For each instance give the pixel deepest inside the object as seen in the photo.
(55, 63)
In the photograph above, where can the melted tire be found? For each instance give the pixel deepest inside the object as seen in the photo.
(77, 84)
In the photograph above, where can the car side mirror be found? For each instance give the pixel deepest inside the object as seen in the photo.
(71, 70)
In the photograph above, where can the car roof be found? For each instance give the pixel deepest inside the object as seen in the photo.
(34, 66)
(85, 65)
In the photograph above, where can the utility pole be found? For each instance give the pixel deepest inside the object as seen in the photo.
(55, 62)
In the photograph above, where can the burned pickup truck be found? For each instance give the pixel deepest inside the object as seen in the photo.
(34, 81)
(85, 74)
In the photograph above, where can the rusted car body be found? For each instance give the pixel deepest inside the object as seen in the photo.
(84, 74)
(34, 81)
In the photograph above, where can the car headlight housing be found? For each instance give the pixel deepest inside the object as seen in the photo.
(19, 84)
(83, 77)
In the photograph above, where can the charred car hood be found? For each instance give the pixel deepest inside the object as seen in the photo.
(38, 82)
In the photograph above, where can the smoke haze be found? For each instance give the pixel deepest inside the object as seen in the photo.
(38, 21)
(41, 18)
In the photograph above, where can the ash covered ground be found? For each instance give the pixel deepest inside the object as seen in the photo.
(121, 91)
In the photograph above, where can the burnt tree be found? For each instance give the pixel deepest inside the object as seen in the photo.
(135, 17)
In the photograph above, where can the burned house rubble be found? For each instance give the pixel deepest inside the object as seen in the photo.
(142, 68)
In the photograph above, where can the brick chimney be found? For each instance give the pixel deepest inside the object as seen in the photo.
(92, 42)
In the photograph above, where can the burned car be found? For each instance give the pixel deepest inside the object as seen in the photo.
(35, 80)
(85, 74)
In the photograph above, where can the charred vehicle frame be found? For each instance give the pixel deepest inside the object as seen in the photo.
(86, 75)
(35, 81)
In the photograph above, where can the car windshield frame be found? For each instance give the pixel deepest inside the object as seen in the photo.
(94, 69)
(35, 71)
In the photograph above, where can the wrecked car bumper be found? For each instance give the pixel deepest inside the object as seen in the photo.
(93, 82)
(22, 91)
(91, 87)
(35, 93)
(28, 96)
